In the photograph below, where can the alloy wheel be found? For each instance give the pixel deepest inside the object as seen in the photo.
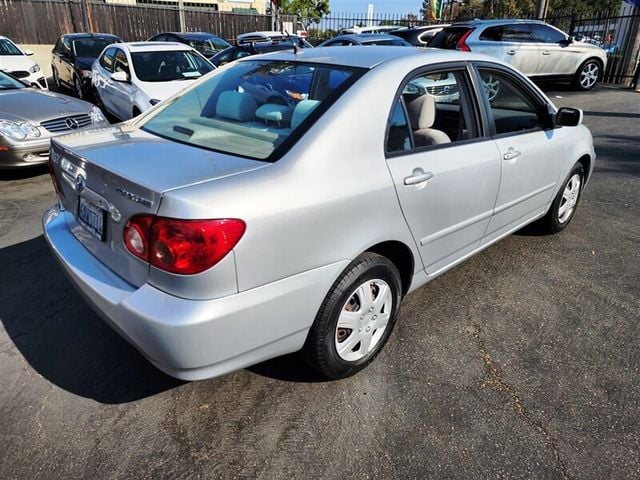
(569, 198)
(589, 75)
(491, 86)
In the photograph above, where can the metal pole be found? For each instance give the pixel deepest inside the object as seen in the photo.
(183, 27)
(85, 17)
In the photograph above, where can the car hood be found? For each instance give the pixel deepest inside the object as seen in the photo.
(84, 63)
(11, 63)
(150, 161)
(33, 105)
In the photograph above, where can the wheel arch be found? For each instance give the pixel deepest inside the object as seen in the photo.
(401, 256)
(585, 161)
(588, 59)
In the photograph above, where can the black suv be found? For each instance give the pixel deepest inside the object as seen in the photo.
(72, 57)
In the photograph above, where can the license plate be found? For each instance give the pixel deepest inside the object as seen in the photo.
(92, 218)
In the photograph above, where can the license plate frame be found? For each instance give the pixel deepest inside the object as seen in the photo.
(92, 218)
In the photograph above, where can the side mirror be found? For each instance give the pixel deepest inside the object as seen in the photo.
(569, 117)
(578, 37)
(28, 52)
(564, 43)
(120, 77)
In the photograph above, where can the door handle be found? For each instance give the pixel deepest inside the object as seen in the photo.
(418, 176)
(511, 52)
(546, 52)
(511, 154)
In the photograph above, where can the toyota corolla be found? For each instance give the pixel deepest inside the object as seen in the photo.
(219, 230)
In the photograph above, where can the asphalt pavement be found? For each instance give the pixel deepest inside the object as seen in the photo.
(523, 362)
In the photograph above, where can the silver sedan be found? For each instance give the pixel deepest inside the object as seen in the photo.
(30, 117)
(221, 229)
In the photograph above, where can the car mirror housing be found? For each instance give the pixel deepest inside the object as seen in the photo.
(569, 117)
(28, 53)
(120, 76)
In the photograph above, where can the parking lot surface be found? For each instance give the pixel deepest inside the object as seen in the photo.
(522, 362)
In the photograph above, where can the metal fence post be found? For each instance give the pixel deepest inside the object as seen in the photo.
(183, 27)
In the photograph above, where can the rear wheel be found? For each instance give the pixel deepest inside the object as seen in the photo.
(356, 317)
(587, 75)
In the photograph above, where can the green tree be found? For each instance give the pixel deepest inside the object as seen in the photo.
(310, 9)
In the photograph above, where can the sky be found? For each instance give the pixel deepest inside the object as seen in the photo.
(379, 6)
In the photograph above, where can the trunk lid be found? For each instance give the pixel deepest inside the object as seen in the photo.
(117, 172)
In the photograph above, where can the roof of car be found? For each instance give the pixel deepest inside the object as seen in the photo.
(88, 35)
(153, 46)
(477, 22)
(363, 37)
(189, 34)
(369, 57)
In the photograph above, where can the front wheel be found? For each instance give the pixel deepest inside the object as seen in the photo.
(565, 204)
(356, 318)
(587, 75)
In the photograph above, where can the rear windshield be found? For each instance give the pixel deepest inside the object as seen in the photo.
(448, 38)
(166, 66)
(253, 108)
(91, 47)
(388, 42)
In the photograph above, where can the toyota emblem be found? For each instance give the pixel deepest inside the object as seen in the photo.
(80, 183)
(72, 123)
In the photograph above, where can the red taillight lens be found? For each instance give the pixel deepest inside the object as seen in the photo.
(185, 247)
(461, 45)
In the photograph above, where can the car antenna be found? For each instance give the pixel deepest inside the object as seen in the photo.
(296, 48)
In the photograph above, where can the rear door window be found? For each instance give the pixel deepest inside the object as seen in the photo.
(517, 32)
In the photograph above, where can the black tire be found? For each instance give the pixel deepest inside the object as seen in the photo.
(78, 88)
(581, 83)
(320, 350)
(56, 79)
(551, 223)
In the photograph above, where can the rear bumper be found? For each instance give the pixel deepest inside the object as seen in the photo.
(194, 339)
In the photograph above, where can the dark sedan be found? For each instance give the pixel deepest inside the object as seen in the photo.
(72, 57)
(418, 36)
(29, 118)
(207, 44)
(246, 48)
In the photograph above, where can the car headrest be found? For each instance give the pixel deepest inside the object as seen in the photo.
(302, 111)
(236, 106)
(422, 112)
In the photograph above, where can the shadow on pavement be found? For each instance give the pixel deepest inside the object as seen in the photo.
(61, 338)
(22, 173)
(612, 114)
(289, 368)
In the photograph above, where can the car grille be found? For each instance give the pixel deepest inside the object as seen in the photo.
(442, 89)
(64, 124)
(20, 74)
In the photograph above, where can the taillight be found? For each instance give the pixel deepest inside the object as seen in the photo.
(461, 45)
(178, 246)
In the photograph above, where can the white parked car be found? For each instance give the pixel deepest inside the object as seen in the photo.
(17, 63)
(129, 78)
(537, 49)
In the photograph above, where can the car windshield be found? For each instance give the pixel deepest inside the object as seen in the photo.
(9, 83)
(251, 108)
(91, 46)
(166, 66)
(208, 46)
(7, 47)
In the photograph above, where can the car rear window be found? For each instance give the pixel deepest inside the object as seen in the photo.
(253, 108)
(448, 38)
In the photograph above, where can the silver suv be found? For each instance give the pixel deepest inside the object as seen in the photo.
(537, 49)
